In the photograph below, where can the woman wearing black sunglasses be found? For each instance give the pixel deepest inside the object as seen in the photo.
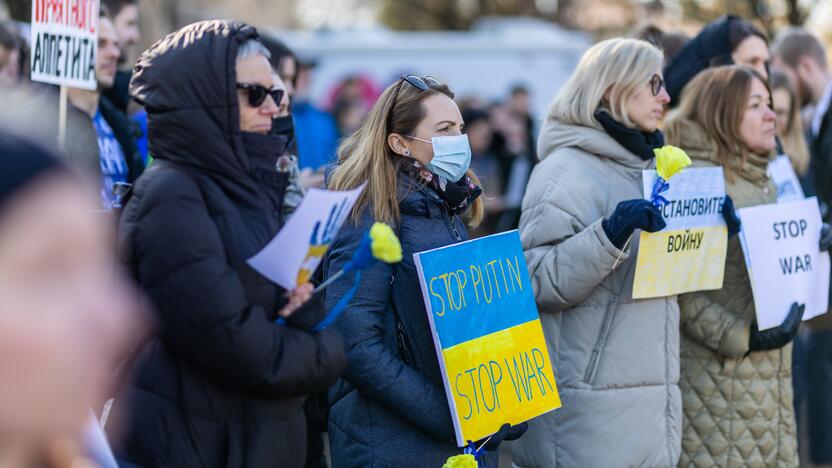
(221, 384)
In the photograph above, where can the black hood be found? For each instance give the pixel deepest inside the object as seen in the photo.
(186, 82)
(711, 47)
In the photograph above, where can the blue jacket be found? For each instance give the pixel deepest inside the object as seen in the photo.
(316, 135)
(390, 408)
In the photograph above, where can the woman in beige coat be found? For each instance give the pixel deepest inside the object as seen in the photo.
(735, 380)
(616, 358)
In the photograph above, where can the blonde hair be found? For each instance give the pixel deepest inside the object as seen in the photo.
(794, 142)
(365, 156)
(618, 68)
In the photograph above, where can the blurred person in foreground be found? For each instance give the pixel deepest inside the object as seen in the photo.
(724, 41)
(583, 204)
(66, 314)
(733, 374)
(222, 384)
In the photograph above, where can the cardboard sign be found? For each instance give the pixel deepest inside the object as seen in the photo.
(689, 253)
(785, 264)
(785, 179)
(294, 254)
(489, 341)
(64, 42)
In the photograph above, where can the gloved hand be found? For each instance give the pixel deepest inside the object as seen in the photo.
(731, 218)
(825, 237)
(780, 336)
(630, 215)
(506, 432)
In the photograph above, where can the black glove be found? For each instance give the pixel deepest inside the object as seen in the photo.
(731, 218)
(780, 336)
(630, 215)
(825, 237)
(506, 432)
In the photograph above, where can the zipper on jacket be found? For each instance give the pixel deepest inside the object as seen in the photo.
(452, 222)
(601, 342)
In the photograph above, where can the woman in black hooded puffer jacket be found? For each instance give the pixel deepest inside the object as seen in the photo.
(221, 384)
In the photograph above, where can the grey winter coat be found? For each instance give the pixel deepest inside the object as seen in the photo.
(616, 359)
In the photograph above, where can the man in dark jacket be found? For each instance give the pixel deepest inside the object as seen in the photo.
(803, 58)
(222, 384)
(116, 159)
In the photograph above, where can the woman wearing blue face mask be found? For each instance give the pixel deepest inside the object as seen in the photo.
(390, 408)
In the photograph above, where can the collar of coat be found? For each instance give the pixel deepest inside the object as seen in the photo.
(699, 146)
(556, 135)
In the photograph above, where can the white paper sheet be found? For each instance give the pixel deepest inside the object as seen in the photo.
(296, 251)
(785, 264)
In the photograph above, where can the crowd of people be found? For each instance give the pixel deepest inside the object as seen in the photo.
(127, 304)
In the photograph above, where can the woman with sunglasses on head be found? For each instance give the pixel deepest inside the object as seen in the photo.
(736, 380)
(221, 384)
(616, 358)
(390, 409)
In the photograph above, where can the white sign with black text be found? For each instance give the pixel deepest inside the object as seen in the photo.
(64, 42)
(785, 179)
(782, 253)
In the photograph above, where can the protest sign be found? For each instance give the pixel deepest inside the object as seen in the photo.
(784, 178)
(489, 341)
(296, 251)
(64, 42)
(781, 246)
(689, 253)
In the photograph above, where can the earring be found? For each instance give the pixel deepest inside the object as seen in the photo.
(407, 152)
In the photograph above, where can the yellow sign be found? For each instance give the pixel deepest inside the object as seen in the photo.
(492, 353)
(689, 253)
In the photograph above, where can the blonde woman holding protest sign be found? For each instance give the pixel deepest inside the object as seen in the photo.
(391, 409)
(735, 380)
(615, 358)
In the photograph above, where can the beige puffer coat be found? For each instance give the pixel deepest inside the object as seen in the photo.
(738, 406)
(616, 358)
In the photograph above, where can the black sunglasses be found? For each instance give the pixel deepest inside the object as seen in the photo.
(257, 94)
(656, 85)
(421, 83)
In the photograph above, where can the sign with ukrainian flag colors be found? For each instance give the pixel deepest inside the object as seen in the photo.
(488, 337)
(689, 253)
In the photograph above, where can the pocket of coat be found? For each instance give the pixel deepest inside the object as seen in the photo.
(601, 341)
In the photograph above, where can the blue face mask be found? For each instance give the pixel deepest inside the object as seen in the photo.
(451, 156)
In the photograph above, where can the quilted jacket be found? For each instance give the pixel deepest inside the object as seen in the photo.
(737, 405)
(616, 358)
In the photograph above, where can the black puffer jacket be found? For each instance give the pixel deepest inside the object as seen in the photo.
(221, 384)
